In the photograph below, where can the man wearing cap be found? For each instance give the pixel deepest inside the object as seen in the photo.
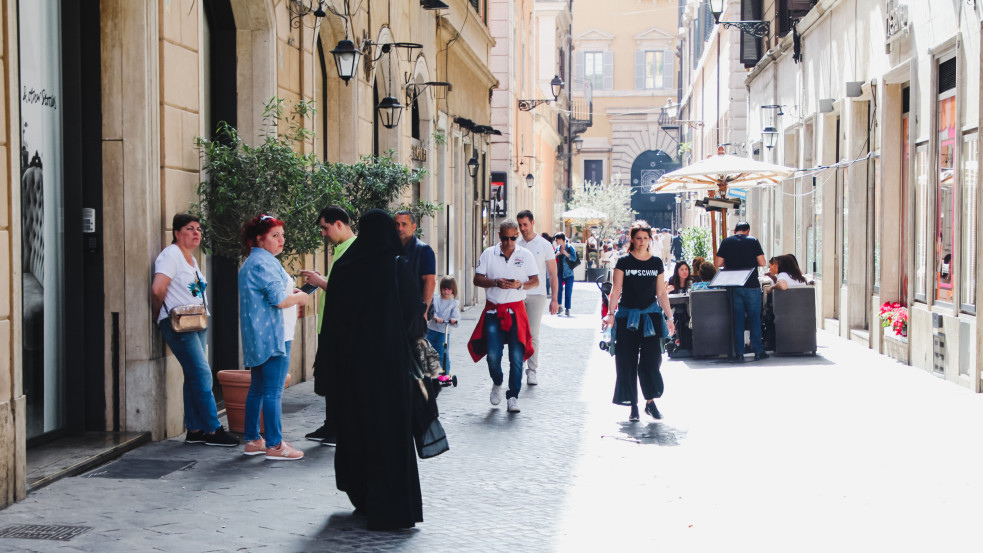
(741, 251)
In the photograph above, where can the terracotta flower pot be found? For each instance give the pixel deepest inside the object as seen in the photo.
(235, 387)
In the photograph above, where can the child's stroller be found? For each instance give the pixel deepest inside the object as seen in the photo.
(605, 288)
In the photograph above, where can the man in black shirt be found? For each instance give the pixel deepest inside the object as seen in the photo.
(741, 251)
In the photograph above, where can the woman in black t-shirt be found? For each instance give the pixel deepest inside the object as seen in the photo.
(638, 284)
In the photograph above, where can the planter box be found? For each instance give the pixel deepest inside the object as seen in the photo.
(896, 347)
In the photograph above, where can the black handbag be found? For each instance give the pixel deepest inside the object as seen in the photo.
(428, 433)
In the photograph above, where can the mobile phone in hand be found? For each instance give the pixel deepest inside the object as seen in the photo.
(308, 288)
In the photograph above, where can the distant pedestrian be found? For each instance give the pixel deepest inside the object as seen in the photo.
(267, 317)
(566, 261)
(536, 298)
(677, 246)
(336, 228)
(638, 310)
(741, 251)
(506, 271)
(446, 311)
(177, 282)
(364, 362)
(420, 255)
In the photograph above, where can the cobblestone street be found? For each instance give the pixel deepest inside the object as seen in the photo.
(847, 451)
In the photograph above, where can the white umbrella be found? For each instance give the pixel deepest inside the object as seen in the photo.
(584, 213)
(717, 173)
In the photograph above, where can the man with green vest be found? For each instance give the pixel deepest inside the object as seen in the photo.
(336, 228)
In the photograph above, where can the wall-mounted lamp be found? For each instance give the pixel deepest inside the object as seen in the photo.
(414, 90)
(530, 180)
(473, 166)
(389, 112)
(769, 136)
(299, 8)
(826, 105)
(346, 58)
(854, 89)
(578, 144)
(556, 85)
(669, 117)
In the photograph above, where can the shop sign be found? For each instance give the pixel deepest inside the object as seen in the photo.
(897, 24)
(418, 153)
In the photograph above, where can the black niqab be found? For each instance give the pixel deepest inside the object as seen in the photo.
(372, 308)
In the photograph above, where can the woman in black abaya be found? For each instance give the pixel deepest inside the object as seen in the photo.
(372, 308)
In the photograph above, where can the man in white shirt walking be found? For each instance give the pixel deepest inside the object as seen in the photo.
(536, 297)
(506, 271)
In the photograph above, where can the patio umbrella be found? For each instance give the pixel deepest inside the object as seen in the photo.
(717, 174)
(584, 213)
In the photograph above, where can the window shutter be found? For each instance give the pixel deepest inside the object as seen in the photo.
(668, 75)
(639, 70)
(750, 46)
(608, 70)
(578, 63)
(800, 5)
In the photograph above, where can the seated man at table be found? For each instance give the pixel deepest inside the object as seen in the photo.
(707, 272)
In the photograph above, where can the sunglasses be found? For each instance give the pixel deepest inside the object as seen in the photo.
(512, 238)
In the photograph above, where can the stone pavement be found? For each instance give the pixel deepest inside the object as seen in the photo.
(846, 451)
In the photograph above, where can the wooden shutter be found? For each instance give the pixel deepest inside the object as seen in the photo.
(578, 64)
(668, 75)
(608, 70)
(639, 70)
(750, 46)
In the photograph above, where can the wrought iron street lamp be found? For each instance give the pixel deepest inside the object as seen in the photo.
(473, 166)
(389, 112)
(530, 180)
(769, 136)
(346, 58)
(556, 85)
(433, 5)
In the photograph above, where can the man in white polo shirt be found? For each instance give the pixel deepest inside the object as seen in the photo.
(536, 297)
(506, 271)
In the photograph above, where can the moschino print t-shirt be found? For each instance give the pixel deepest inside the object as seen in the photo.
(641, 277)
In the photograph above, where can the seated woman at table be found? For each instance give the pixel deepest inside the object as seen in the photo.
(695, 269)
(789, 276)
(707, 272)
(679, 283)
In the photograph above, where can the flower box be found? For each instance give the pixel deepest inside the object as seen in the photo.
(895, 347)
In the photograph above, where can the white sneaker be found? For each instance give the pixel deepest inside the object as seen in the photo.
(513, 405)
(496, 395)
(531, 377)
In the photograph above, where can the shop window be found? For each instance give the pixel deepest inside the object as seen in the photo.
(817, 226)
(921, 223)
(945, 198)
(905, 183)
(843, 177)
(969, 182)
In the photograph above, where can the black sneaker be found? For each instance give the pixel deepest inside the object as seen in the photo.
(330, 441)
(760, 356)
(221, 438)
(633, 415)
(652, 410)
(320, 434)
(194, 437)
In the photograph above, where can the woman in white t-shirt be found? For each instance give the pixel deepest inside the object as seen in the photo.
(179, 281)
(789, 276)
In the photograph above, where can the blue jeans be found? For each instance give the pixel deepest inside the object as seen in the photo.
(436, 339)
(565, 285)
(496, 339)
(747, 303)
(265, 391)
(199, 403)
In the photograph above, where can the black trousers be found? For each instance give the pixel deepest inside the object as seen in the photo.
(638, 360)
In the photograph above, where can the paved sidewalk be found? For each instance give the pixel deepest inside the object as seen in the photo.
(848, 451)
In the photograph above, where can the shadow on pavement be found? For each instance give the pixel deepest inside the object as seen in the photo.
(653, 433)
(346, 531)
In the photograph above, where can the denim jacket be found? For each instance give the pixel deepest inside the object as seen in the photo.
(562, 263)
(262, 286)
(634, 317)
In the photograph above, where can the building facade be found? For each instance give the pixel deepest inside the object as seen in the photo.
(103, 101)
(625, 63)
(878, 103)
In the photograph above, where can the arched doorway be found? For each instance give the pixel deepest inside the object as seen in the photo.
(659, 210)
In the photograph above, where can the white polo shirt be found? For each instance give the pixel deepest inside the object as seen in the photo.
(520, 266)
(543, 252)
